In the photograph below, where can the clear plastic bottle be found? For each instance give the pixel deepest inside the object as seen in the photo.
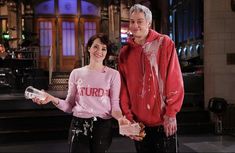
(31, 92)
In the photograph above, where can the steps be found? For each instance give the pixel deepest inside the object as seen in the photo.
(33, 125)
(194, 91)
(59, 81)
(51, 123)
(194, 121)
(193, 118)
(21, 120)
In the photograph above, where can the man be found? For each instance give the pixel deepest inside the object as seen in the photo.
(152, 86)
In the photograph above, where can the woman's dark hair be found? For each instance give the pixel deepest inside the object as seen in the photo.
(103, 38)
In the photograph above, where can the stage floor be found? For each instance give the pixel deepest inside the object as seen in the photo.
(187, 143)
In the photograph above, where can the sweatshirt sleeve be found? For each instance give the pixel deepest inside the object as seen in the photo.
(124, 94)
(115, 92)
(174, 83)
(67, 104)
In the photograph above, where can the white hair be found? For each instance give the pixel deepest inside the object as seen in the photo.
(144, 9)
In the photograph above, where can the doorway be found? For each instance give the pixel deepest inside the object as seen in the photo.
(61, 37)
(68, 43)
(47, 36)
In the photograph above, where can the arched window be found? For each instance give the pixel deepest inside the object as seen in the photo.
(89, 9)
(47, 7)
(68, 7)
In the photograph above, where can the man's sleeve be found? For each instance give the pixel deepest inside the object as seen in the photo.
(124, 94)
(174, 83)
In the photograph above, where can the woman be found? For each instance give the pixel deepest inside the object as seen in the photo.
(93, 99)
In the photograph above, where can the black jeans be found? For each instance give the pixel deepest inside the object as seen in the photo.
(156, 141)
(93, 135)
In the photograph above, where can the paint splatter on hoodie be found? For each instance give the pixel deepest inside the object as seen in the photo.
(151, 80)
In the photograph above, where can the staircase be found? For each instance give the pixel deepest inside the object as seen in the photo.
(33, 125)
(20, 119)
(193, 117)
(59, 81)
(194, 121)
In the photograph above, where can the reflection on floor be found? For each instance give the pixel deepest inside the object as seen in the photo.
(195, 144)
(208, 143)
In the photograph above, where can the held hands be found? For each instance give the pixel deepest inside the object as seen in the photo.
(123, 121)
(170, 125)
(133, 130)
(141, 134)
(136, 130)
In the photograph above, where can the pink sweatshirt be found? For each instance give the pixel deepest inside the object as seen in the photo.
(92, 93)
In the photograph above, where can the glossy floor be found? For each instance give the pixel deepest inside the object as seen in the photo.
(194, 143)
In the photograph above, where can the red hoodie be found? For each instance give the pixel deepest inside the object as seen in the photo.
(152, 84)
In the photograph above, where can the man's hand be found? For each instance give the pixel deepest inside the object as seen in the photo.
(141, 134)
(170, 125)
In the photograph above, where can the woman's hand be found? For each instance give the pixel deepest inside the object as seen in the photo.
(141, 135)
(123, 121)
(49, 98)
